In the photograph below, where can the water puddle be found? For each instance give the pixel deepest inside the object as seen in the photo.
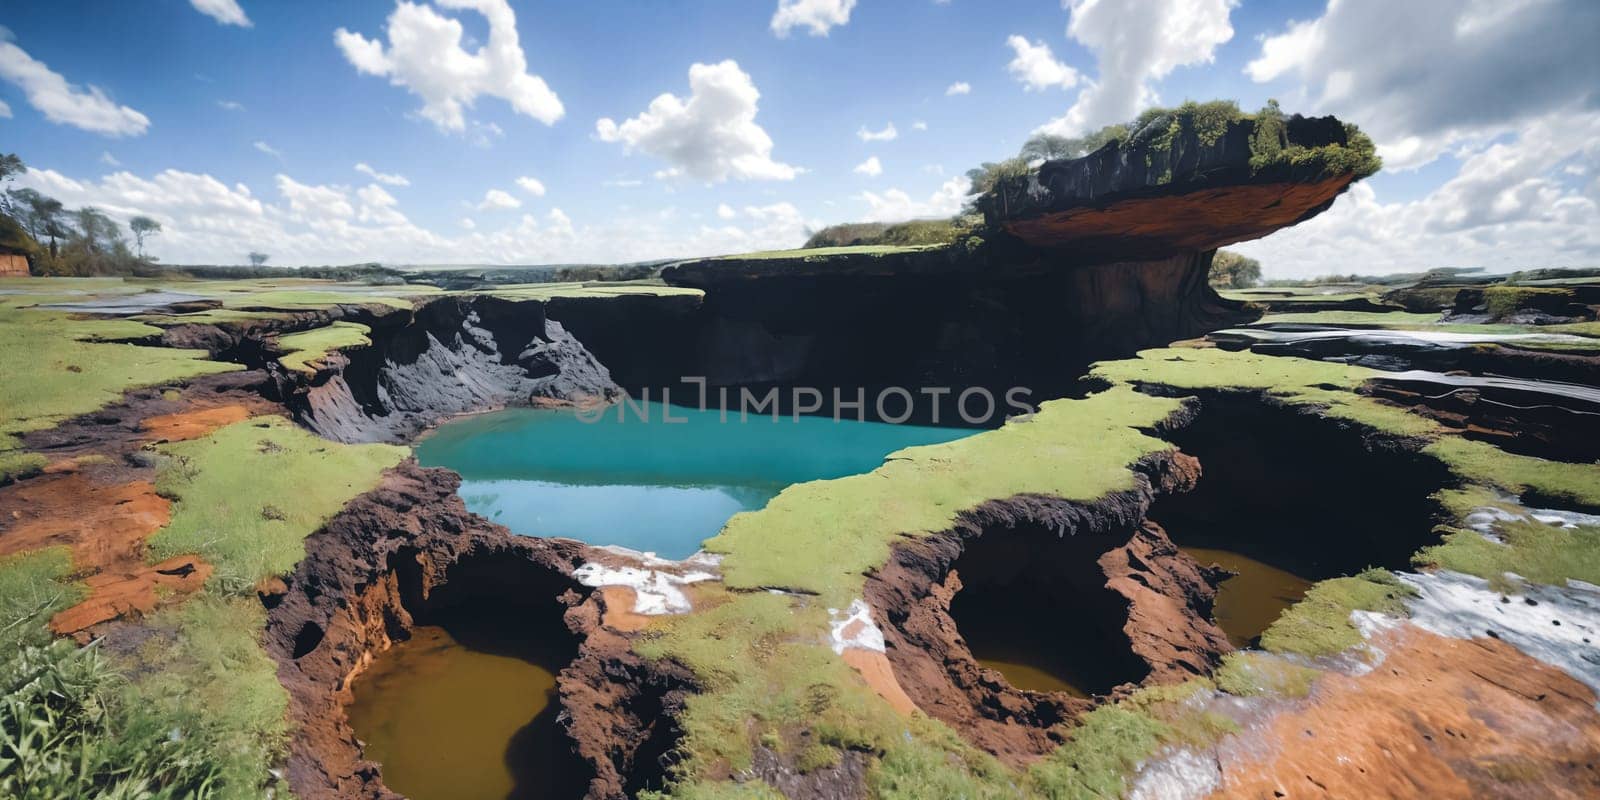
(122, 305)
(467, 712)
(1252, 599)
(649, 481)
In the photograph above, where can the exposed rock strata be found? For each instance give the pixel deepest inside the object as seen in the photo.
(452, 356)
(1162, 608)
(1131, 200)
(385, 562)
(933, 318)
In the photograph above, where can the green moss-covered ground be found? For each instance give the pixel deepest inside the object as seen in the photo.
(303, 350)
(248, 494)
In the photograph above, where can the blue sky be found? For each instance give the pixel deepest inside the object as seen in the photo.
(254, 116)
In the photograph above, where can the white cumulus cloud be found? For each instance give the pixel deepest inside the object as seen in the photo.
(226, 12)
(498, 200)
(1036, 68)
(871, 167)
(816, 16)
(959, 87)
(895, 205)
(426, 56)
(1135, 43)
(885, 134)
(712, 136)
(1426, 76)
(64, 103)
(205, 221)
(386, 178)
(725, 211)
(532, 186)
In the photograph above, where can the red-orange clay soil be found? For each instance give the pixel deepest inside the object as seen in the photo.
(105, 527)
(1196, 221)
(187, 425)
(1437, 718)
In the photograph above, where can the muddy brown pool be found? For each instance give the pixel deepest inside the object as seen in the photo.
(452, 714)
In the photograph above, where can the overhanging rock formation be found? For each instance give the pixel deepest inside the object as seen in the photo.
(1174, 187)
(1081, 259)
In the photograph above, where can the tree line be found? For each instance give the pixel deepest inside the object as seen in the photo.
(68, 241)
(74, 241)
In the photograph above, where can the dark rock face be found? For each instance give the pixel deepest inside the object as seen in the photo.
(928, 318)
(1133, 201)
(454, 356)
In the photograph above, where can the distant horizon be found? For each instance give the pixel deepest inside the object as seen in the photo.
(497, 132)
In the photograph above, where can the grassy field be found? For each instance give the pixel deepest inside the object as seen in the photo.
(248, 494)
(303, 350)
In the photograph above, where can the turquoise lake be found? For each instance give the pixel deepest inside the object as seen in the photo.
(644, 483)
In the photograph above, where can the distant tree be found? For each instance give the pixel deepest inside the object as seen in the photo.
(1232, 271)
(257, 259)
(142, 227)
(10, 166)
(1048, 147)
(99, 233)
(39, 214)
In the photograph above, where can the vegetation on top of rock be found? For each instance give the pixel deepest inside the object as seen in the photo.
(1156, 134)
(914, 232)
(303, 350)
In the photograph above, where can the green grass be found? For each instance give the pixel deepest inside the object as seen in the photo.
(1325, 386)
(1374, 319)
(1531, 549)
(1484, 463)
(1503, 301)
(67, 729)
(1110, 742)
(33, 587)
(1248, 673)
(16, 465)
(211, 316)
(301, 350)
(204, 670)
(822, 537)
(55, 368)
(223, 482)
(823, 253)
(1319, 625)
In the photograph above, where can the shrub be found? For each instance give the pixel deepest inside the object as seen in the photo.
(66, 730)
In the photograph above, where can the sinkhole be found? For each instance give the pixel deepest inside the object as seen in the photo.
(1286, 499)
(1034, 606)
(465, 705)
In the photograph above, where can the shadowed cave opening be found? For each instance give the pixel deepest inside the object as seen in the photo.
(464, 705)
(1286, 499)
(1034, 606)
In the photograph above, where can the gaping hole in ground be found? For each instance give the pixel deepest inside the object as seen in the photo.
(1286, 499)
(1034, 606)
(466, 706)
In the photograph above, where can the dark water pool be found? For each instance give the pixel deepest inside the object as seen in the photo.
(638, 480)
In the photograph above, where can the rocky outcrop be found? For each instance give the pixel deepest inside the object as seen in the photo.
(1174, 187)
(1123, 580)
(453, 356)
(999, 318)
(407, 551)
